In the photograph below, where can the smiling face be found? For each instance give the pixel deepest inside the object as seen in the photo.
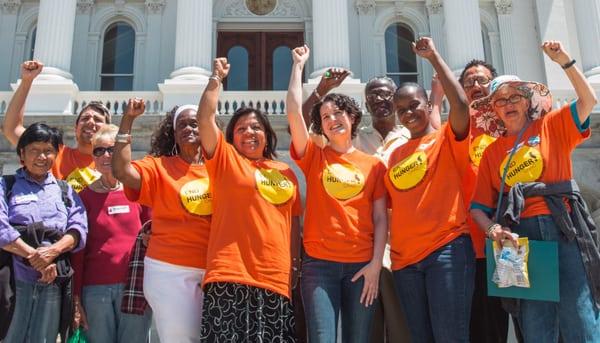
(103, 162)
(413, 111)
(379, 94)
(335, 123)
(186, 130)
(476, 81)
(511, 107)
(38, 158)
(249, 136)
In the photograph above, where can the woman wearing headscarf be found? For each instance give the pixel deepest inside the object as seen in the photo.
(529, 169)
(173, 182)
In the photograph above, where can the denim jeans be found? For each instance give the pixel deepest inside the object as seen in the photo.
(37, 313)
(106, 322)
(327, 290)
(436, 293)
(575, 315)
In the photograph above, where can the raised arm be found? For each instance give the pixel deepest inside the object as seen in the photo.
(586, 97)
(207, 109)
(13, 120)
(121, 160)
(459, 107)
(332, 78)
(436, 98)
(298, 127)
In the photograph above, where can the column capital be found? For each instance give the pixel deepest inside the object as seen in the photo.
(84, 6)
(10, 6)
(503, 7)
(364, 6)
(155, 6)
(434, 6)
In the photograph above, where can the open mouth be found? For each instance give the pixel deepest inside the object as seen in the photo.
(477, 95)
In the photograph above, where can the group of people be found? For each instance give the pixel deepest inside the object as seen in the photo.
(394, 222)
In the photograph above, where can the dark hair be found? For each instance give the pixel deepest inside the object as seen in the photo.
(380, 78)
(271, 146)
(475, 63)
(40, 132)
(97, 106)
(344, 103)
(405, 85)
(163, 138)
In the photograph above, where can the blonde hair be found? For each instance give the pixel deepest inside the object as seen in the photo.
(107, 131)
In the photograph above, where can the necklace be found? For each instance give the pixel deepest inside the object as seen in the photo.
(108, 188)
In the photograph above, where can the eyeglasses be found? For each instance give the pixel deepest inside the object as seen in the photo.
(100, 151)
(482, 80)
(381, 95)
(513, 99)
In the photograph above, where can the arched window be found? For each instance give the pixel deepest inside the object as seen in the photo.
(282, 67)
(237, 80)
(117, 58)
(401, 62)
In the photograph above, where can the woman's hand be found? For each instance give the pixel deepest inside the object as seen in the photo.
(135, 107)
(371, 286)
(556, 52)
(30, 70)
(220, 68)
(500, 233)
(49, 274)
(79, 317)
(42, 257)
(424, 47)
(300, 55)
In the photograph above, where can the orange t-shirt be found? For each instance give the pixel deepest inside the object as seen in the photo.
(181, 202)
(340, 191)
(74, 167)
(543, 155)
(424, 181)
(254, 202)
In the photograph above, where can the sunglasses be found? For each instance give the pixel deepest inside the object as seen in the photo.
(482, 80)
(100, 151)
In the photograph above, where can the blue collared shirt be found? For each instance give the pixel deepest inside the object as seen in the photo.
(32, 201)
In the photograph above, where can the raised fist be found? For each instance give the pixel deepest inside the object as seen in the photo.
(135, 107)
(221, 67)
(31, 69)
(424, 47)
(556, 52)
(300, 54)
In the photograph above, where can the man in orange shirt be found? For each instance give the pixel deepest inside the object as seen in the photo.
(75, 165)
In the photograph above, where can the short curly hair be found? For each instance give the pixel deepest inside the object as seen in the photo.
(475, 63)
(344, 103)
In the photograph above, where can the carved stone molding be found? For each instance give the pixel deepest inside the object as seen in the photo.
(84, 6)
(503, 7)
(155, 6)
(364, 6)
(399, 7)
(10, 6)
(434, 6)
(284, 8)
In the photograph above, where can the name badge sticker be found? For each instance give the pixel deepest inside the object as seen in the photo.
(112, 210)
(25, 198)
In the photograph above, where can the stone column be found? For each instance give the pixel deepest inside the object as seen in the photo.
(54, 41)
(436, 25)
(331, 44)
(463, 32)
(9, 9)
(587, 14)
(193, 39)
(154, 15)
(496, 53)
(509, 58)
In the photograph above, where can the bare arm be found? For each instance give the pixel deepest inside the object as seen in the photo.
(332, 78)
(436, 99)
(207, 109)
(20, 248)
(12, 127)
(586, 97)
(498, 233)
(298, 129)
(122, 168)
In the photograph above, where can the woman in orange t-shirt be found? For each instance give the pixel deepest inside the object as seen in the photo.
(532, 162)
(254, 224)
(432, 255)
(173, 182)
(345, 226)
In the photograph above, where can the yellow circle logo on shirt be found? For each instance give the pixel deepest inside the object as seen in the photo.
(196, 198)
(478, 146)
(81, 178)
(407, 173)
(343, 181)
(273, 186)
(526, 166)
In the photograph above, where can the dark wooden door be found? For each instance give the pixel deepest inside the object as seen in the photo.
(259, 60)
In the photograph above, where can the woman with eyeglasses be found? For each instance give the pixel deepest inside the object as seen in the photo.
(529, 169)
(173, 182)
(101, 268)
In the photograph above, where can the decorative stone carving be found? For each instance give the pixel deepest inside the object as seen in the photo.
(84, 6)
(434, 6)
(10, 6)
(284, 8)
(119, 5)
(399, 7)
(364, 6)
(155, 6)
(503, 7)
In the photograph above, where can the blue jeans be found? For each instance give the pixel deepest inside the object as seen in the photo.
(106, 322)
(327, 290)
(575, 314)
(37, 313)
(436, 293)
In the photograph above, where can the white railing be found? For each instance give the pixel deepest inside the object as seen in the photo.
(4, 99)
(117, 101)
(271, 102)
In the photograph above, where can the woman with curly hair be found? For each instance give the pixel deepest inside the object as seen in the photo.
(345, 225)
(173, 182)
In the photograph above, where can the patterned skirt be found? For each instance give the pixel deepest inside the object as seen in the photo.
(240, 313)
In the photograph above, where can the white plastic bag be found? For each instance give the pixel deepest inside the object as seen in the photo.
(511, 263)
